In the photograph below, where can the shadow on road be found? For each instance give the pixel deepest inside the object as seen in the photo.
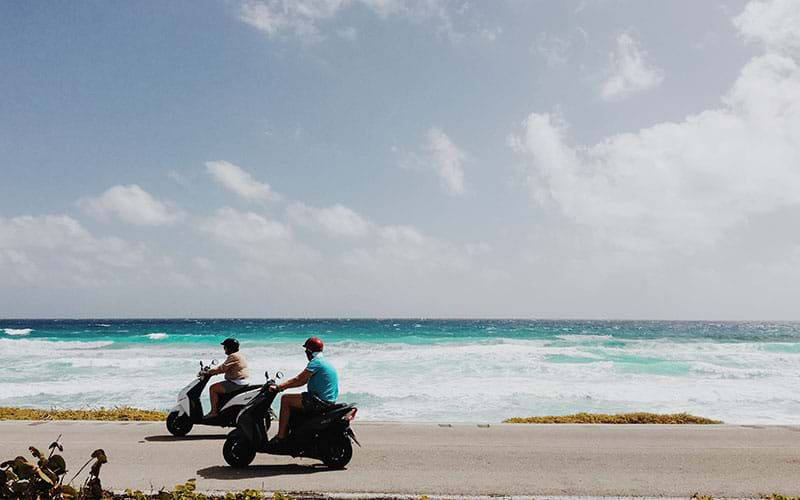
(197, 437)
(220, 472)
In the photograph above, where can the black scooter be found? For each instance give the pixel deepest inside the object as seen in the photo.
(323, 434)
(189, 410)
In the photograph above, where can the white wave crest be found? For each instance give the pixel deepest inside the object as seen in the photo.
(17, 331)
(157, 336)
(582, 338)
(46, 348)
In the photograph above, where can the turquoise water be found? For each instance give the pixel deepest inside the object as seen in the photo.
(457, 370)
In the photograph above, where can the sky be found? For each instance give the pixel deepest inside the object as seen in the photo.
(598, 159)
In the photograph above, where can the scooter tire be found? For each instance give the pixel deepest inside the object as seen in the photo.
(178, 425)
(237, 452)
(337, 452)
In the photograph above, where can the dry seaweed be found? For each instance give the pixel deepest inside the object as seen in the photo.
(619, 418)
(120, 413)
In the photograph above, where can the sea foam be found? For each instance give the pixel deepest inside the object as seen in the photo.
(17, 331)
(157, 336)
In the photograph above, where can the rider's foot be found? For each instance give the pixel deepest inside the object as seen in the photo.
(210, 415)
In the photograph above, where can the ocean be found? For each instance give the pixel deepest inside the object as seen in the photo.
(425, 370)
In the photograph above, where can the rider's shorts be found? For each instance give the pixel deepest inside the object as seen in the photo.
(313, 403)
(230, 386)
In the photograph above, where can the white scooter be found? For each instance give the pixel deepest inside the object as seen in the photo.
(189, 410)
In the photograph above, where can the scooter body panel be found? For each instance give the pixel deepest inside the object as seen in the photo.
(240, 399)
(190, 392)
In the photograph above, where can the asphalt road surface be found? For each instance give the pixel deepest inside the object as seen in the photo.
(457, 459)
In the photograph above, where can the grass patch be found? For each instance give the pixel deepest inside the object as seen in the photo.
(619, 418)
(118, 414)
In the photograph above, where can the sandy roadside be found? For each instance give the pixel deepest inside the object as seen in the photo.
(458, 459)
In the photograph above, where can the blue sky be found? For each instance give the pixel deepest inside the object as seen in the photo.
(593, 159)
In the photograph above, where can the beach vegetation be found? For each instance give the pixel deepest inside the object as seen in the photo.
(188, 491)
(21, 478)
(43, 477)
(117, 413)
(774, 496)
(619, 418)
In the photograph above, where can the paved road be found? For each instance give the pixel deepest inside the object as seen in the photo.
(460, 459)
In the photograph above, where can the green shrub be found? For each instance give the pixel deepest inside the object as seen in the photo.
(20, 478)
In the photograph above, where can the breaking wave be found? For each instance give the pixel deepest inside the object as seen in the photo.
(17, 331)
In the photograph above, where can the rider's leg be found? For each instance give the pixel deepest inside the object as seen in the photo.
(214, 391)
(288, 401)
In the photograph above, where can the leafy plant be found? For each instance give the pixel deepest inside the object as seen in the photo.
(23, 479)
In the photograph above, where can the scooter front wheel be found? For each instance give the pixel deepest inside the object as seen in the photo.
(238, 452)
(178, 425)
(337, 452)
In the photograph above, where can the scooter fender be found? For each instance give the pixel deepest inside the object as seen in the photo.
(245, 429)
(181, 409)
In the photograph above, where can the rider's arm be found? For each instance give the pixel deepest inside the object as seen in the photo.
(298, 381)
(220, 369)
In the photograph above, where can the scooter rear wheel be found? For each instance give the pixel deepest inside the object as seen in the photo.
(178, 425)
(237, 452)
(337, 452)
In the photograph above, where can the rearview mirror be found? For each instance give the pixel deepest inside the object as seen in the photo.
(266, 375)
(214, 362)
(279, 375)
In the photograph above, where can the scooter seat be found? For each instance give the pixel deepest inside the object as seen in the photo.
(335, 406)
(242, 389)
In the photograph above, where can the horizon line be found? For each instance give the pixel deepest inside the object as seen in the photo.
(390, 318)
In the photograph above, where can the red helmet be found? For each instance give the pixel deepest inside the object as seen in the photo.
(314, 344)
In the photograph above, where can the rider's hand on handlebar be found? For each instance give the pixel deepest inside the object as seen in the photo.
(273, 388)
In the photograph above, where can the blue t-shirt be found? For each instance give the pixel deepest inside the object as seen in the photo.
(324, 383)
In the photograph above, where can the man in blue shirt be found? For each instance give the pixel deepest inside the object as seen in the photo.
(323, 385)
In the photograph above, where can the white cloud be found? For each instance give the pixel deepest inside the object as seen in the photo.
(629, 71)
(58, 250)
(683, 185)
(447, 159)
(337, 220)
(552, 49)
(133, 205)
(203, 264)
(397, 250)
(491, 35)
(775, 23)
(297, 16)
(303, 18)
(256, 237)
(179, 178)
(444, 158)
(350, 34)
(238, 180)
